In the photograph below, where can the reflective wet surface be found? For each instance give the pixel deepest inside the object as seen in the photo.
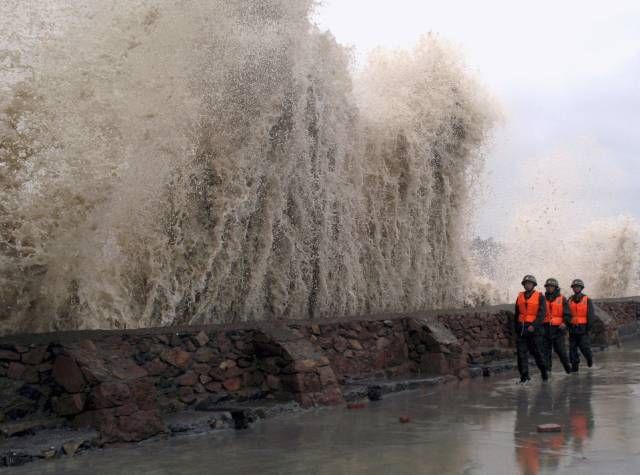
(474, 427)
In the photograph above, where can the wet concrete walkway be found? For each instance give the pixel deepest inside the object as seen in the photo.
(474, 427)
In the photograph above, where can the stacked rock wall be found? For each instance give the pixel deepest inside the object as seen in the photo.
(625, 313)
(124, 382)
(390, 347)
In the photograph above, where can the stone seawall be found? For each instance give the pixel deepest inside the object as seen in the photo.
(625, 314)
(125, 383)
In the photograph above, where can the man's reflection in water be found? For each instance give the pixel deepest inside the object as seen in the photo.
(530, 404)
(568, 404)
(580, 412)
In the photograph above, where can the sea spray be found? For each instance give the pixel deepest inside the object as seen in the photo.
(552, 233)
(165, 163)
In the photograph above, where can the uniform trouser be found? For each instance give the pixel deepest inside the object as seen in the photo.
(579, 340)
(554, 340)
(529, 343)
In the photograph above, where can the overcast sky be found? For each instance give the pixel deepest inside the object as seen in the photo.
(567, 74)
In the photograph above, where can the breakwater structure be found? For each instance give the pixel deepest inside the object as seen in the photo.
(130, 385)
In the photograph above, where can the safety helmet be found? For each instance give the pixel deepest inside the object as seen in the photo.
(529, 278)
(577, 282)
(553, 282)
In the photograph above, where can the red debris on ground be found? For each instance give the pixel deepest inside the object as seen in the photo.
(356, 405)
(404, 419)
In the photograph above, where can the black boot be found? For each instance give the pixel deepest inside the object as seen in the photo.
(574, 368)
(524, 379)
(589, 363)
(545, 375)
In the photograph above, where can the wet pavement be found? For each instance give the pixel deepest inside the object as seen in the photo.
(473, 427)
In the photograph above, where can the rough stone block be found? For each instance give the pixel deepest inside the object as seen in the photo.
(31, 375)
(186, 395)
(201, 368)
(69, 404)
(109, 394)
(126, 369)
(176, 357)
(213, 387)
(155, 367)
(70, 448)
(330, 396)
(95, 370)
(382, 343)
(162, 339)
(138, 426)
(244, 363)
(8, 355)
(68, 375)
(232, 384)
(234, 372)
(327, 376)
(204, 354)
(188, 379)
(87, 345)
(126, 409)
(311, 383)
(175, 340)
(15, 370)
(253, 378)
(355, 344)
(145, 345)
(45, 367)
(340, 344)
(273, 382)
(305, 365)
(227, 364)
(211, 402)
(201, 339)
(144, 393)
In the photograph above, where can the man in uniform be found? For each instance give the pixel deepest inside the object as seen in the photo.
(582, 315)
(531, 309)
(555, 324)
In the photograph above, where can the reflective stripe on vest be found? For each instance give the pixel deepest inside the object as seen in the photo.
(555, 311)
(579, 311)
(528, 308)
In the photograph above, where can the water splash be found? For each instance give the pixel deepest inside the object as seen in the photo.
(165, 163)
(554, 234)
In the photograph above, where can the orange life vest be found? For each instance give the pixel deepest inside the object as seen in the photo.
(528, 308)
(579, 311)
(555, 311)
